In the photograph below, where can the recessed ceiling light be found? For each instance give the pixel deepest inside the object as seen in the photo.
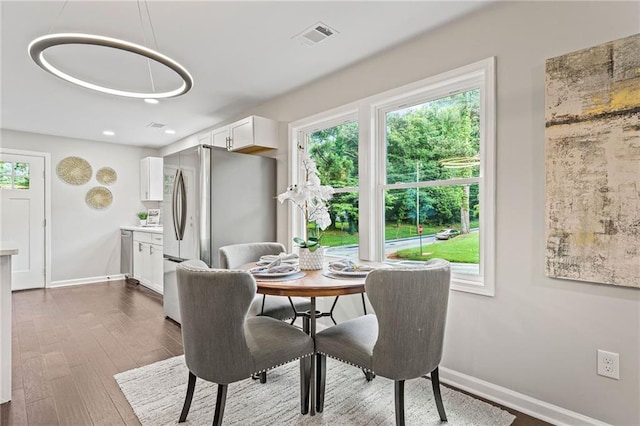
(170, 132)
(151, 101)
(108, 133)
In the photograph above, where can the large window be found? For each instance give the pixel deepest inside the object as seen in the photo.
(414, 172)
(333, 145)
(432, 167)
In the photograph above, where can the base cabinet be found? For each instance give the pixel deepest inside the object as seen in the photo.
(147, 260)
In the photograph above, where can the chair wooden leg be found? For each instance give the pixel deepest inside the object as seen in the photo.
(435, 384)
(305, 378)
(399, 388)
(220, 401)
(187, 400)
(321, 368)
(364, 304)
(263, 377)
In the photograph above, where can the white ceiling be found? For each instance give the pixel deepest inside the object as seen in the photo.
(240, 55)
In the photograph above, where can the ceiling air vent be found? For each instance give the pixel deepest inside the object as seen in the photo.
(315, 34)
(155, 125)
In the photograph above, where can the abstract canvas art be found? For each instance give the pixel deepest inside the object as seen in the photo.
(593, 164)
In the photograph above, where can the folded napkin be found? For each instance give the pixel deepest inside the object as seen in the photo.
(346, 265)
(275, 269)
(289, 258)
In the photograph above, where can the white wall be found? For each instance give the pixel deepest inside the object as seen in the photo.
(85, 242)
(538, 336)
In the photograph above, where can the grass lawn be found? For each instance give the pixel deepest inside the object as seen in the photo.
(461, 249)
(335, 237)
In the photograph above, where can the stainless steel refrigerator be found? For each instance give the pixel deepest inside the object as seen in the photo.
(213, 198)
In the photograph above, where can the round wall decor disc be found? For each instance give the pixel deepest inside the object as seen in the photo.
(99, 197)
(74, 170)
(106, 175)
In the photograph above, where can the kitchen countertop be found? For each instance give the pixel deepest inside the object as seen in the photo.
(151, 229)
(4, 251)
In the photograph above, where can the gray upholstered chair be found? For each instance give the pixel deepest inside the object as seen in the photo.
(278, 307)
(404, 339)
(221, 343)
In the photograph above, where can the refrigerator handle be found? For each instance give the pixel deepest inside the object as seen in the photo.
(174, 203)
(183, 206)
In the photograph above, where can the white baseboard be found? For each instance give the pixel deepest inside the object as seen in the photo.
(90, 280)
(525, 404)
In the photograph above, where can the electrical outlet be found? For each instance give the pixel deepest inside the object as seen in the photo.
(609, 364)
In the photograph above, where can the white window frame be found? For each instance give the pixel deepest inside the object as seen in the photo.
(372, 161)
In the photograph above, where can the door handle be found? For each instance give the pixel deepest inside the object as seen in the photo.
(174, 203)
(183, 206)
(140, 247)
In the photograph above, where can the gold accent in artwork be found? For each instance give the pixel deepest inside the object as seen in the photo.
(592, 157)
(99, 197)
(74, 170)
(106, 176)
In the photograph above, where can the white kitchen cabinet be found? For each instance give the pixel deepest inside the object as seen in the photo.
(151, 179)
(147, 260)
(247, 135)
(220, 137)
(217, 137)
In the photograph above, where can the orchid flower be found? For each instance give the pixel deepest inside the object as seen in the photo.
(311, 198)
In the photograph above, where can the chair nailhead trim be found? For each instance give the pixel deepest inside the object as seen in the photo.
(347, 362)
(283, 363)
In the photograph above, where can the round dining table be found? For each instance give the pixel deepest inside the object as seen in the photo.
(313, 284)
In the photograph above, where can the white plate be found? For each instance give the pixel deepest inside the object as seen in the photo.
(273, 274)
(350, 273)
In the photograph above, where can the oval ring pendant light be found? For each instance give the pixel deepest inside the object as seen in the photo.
(40, 44)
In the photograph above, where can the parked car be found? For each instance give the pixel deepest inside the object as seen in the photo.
(445, 234)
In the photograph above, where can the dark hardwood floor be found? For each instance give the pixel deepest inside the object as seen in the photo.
(69, 342)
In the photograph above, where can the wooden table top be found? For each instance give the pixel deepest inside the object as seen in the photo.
(314, 283)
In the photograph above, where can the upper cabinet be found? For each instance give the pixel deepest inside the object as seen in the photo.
(217, 137)
(220, 137)
(151, 179)
(247, 135)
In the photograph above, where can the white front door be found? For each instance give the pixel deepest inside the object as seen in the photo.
(22, 214)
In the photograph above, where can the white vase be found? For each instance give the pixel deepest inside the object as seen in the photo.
(311, 260)
(143, 222)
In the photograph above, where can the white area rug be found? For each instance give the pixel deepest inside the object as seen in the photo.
(156, 393)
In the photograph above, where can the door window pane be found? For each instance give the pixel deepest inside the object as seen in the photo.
(21, 169)
(21, 182)
(5, 168)
(435, 140)
(5, 181)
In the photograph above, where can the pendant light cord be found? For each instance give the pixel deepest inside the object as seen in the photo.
(55, 21)
(144, 40)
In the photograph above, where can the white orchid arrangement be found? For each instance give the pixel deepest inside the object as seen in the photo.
(311, 197)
